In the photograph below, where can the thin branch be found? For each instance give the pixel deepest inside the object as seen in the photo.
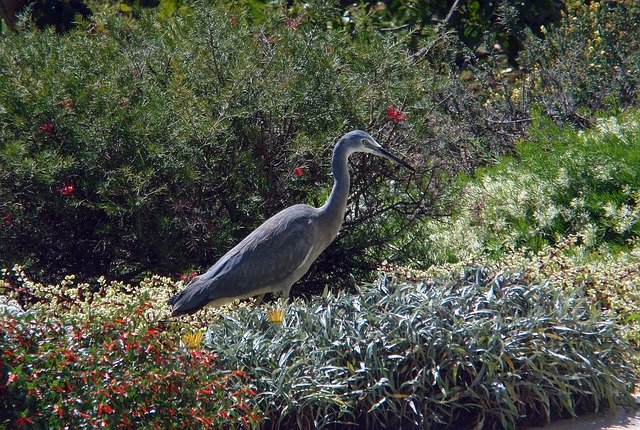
(400, 27)
(451, 11)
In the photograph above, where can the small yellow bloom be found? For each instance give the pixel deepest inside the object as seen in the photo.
(193, 340)
(276, 316)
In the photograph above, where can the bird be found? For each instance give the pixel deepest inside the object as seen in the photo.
(280, 251)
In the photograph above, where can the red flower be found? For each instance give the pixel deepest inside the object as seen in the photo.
(240, 373)
(7, 218)
(69, 355)
(298, 171)
(67, 189)
(48, 129)
(105, 409)
(153, 332)
(24, 420)
(205, 392)
(395, 115)
(58, 410)
(188, 277)
(66, 104)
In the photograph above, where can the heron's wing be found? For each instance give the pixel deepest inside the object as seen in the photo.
(268, 256)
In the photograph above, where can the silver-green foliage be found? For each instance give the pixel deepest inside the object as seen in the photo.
(478, 349)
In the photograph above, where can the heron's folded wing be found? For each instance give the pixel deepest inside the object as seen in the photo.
(266, 257)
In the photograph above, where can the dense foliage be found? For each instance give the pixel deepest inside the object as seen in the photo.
(476, 23)
(185, 130)
(584, 64)
(564, 183)
(176, 138)
(189, 124)
(481, 348)
(116, 371)
(74, 298)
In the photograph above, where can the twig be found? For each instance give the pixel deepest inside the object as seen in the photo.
(453, 9)
(400, 27)
(510, 121)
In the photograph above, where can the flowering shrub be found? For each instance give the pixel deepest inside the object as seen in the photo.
(121, 370)
(80, 300)
(565, 183)
(610, 281)
(168, 147)
(585, 64)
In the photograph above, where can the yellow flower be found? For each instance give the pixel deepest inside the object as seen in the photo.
(276, 316)
(193, 340)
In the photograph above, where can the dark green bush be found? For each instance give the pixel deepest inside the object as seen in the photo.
(473, 21)
(177, 137)
(480, 349)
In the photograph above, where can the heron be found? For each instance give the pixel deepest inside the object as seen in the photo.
(280, 251)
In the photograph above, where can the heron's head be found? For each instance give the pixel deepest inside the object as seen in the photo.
(360, 141)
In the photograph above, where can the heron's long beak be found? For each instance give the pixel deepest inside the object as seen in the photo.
(393, 158)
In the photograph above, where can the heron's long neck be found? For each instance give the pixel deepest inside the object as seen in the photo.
(335, 206)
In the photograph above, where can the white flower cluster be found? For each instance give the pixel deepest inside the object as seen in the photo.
(518, 202)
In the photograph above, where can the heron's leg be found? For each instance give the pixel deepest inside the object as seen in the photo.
(258, 301)
(284, 299)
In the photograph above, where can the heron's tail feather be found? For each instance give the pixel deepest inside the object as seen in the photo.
(190, 300)
(173, 299)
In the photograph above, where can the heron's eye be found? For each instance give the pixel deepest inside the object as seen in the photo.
(366, 143)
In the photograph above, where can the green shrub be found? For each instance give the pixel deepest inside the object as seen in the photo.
(564, 183)
(74, 299)
(473, 21)
(176, 137)
(119, 371)
(585, 64)
(610, 280)
(484, 349)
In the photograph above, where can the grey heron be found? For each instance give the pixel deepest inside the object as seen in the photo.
(280, 251)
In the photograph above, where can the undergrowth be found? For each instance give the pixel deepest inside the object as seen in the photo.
(483, 349)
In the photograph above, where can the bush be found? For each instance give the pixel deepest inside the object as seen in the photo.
(609, 280)
(76, 300)
(485, 349)
(473, 21)
(585, 64)
(565, 183)
(120, 371)
(177, 137)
